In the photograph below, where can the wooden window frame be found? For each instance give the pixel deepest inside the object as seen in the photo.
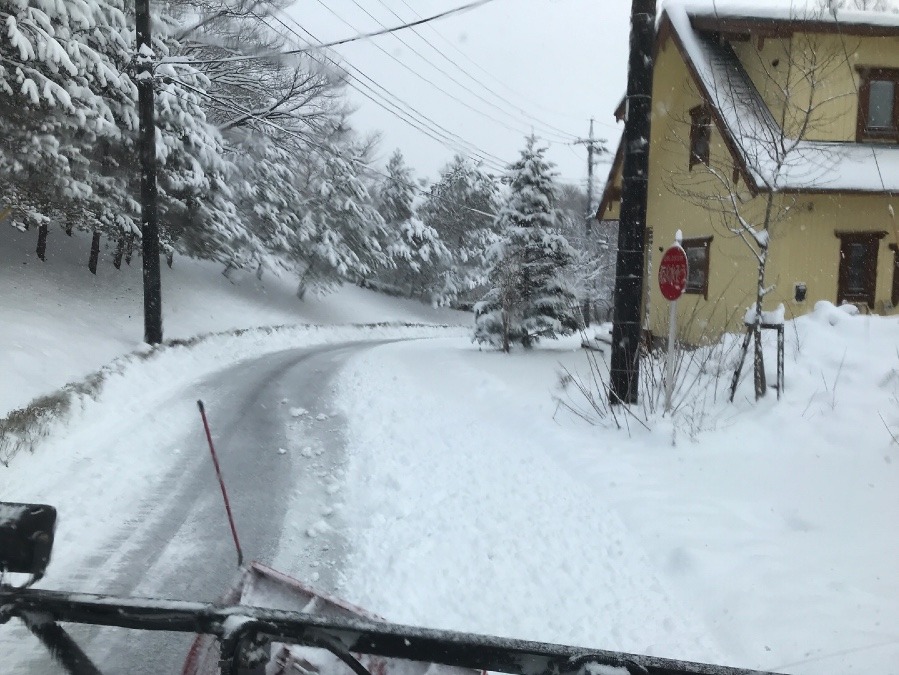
(705, 243)
(862, 132)
(894, 295)
(700, 129)
(870, 295)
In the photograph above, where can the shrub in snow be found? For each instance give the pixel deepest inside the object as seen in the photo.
(529, 296)
(701, 384)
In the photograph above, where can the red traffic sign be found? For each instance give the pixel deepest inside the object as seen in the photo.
(673, 273)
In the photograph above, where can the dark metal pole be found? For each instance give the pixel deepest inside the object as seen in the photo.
(148, 193)
(625, 368)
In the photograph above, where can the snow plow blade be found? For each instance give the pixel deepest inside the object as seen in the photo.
(261, 586)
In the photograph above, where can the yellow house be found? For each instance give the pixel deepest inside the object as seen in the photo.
(774, 137)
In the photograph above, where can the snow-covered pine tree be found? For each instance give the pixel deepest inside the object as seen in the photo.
(415, 247)
(530, 297)
(397, 191)
(275, 117)
(69, 122)
(342, 235)
(461, 207)
(60, 91)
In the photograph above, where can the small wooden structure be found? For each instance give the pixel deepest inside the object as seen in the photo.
(779, 327)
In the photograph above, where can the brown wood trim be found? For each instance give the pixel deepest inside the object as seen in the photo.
(723, 131)
(894, 294)
(871, 240)
(864, 95)
(867, 73)
(783, 28)
(848, 192)
(860, 234)
(608, 190)
(700, 131)
(706, 243)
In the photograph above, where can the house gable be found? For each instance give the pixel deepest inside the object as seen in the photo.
(807, 255)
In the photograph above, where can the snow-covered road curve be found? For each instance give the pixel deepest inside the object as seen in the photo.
(172, 539)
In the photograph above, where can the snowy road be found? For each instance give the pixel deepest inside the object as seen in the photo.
(176, 542)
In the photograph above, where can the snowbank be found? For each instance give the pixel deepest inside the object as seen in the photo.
(59, 323)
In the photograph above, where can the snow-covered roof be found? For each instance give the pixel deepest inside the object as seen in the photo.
(750, 129)
(808, 13)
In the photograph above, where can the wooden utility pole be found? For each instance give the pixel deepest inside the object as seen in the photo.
(148, 191)
(591, 142)
(592, 146)
(625, 369)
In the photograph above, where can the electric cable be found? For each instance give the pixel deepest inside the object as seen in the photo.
(354, 38)
(427, 81)
(561, 135)
(468, 148)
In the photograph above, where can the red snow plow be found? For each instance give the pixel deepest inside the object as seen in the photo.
(261, 586)
(270, 623)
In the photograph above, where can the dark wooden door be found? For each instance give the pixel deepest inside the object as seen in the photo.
(858, 268)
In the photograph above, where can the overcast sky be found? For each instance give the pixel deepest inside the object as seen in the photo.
(484, 78)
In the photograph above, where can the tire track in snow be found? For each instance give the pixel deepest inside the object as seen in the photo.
(173, 540)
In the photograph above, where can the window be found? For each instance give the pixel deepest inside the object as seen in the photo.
(878, 107)
(697, 251)
(857, 278)
(700, 135)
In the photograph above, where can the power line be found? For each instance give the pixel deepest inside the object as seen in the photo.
(426, 80)
(466, 146)
(354, 38)
(450, 139)
(493, 77)
(548, 129)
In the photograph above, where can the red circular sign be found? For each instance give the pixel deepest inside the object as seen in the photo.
(673, 273)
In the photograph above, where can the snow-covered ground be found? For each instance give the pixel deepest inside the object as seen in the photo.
(58, 322)
(766, 541)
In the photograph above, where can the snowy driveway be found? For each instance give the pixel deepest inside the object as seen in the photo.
(281, 451)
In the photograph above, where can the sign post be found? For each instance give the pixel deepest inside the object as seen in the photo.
(673, 272)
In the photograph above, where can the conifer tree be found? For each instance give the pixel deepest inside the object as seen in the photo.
(415, 249)
(529, 297)
(461, 208)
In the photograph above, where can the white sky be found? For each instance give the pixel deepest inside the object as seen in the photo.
(528, 64)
